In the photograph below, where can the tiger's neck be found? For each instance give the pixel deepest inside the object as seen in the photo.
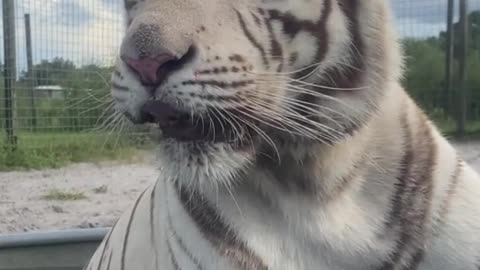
(319, 173)
(314, 196)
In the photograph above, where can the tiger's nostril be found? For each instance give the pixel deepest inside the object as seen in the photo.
(149, 68)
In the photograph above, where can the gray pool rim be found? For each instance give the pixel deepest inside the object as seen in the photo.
(44, 238)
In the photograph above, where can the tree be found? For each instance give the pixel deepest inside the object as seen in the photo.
(424, 75)
(474, 27)
(474, 19)
(50, 72)
(425, 70)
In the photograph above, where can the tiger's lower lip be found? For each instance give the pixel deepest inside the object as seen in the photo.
(177, 124)
(192, 133)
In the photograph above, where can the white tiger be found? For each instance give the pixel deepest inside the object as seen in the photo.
(287, 143)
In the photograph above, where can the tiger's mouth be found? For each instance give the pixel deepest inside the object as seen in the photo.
(211, 126)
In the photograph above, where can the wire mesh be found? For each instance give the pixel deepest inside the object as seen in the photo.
(422, 25)
(64, 54)
(62, 71)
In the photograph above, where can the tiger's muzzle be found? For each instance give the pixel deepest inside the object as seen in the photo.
(210, 126)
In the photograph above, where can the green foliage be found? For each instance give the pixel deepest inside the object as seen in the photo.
(424, 77)
(474, 37)
(50, 72)
(81, 105)
(54, 150)
(425, 74)
(475, 29)
(58, 195)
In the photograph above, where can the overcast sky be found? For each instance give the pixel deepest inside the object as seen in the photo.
(89, 31)
(424, 17)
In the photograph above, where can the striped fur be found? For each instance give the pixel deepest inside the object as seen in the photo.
(332, 165)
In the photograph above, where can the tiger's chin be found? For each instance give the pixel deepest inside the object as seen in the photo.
(198, 165)
(198, 149)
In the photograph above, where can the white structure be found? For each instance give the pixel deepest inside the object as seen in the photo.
(50, 91)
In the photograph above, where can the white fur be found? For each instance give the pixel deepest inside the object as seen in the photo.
(294, 231)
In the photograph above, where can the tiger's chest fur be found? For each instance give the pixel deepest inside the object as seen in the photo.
(188, 233)
(417, 214)
(420, 213)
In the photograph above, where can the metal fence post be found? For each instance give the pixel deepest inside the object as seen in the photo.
(462, 76)
(449, 59)
(10, 69)
(31, 76)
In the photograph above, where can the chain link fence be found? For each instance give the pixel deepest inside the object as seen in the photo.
(57, 56)
(442, 44)
(55, 106)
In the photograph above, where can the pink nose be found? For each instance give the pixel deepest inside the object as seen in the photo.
(149, 69)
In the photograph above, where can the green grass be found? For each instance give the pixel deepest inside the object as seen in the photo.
(54, 150)
(58, 195)
(449, 128)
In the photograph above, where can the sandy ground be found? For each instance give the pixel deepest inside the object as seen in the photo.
(22, 207)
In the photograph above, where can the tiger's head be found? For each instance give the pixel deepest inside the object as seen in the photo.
(229, 81)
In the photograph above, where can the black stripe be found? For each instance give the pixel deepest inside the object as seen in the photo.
(185, 250)
(221, 236)
(173, 260)
(276, 51)
(292, 59)
(107, 244)
(182, 244)
(415, 260)
(118, 74)
(237, 58)
(127, 233)
(252, 39)
(109, 260)
(414, 206)
(323, 34)
(152, 225)
(234, 69)
(405, 167)
(129, 4)
(292, 26)
(256, 19)
(290, 172)
(152, 209)
(424, 191)
(346, 181)
(100, 263)
(350, 76)
(221, 84)
(120, 87)
(400, 188)
(346, 76)
(445, 205)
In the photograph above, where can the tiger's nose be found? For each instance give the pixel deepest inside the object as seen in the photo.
(151, 70)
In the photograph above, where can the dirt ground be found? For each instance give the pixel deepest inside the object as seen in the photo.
(107, 189)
